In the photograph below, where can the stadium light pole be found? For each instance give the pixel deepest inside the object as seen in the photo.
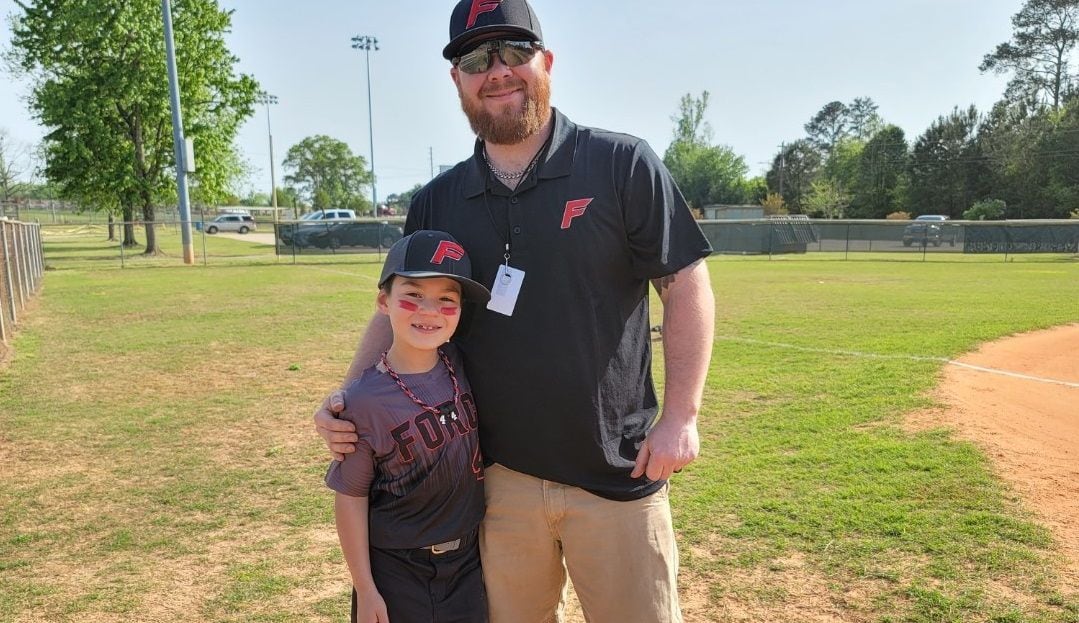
(366, 43)
(183, 163)
(266, 99)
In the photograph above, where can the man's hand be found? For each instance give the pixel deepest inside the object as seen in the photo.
(339, 435)
(669, 446)
(688, 328)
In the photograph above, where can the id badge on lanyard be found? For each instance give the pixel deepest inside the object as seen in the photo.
(505, 290)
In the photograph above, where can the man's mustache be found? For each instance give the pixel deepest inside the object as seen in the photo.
(502, 86)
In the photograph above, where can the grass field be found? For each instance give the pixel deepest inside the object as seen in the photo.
(159, 464)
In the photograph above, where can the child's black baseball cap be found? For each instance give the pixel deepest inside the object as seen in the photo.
(427, 253)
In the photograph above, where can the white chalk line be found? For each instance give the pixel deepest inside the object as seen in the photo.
(1025, 377)
(855, 353)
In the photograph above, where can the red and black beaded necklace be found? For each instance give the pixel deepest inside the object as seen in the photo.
(440, 414)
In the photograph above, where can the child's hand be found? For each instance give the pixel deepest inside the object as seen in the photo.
(370, 607)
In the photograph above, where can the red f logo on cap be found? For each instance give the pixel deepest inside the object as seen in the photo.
(448, 249)
(479, 7)
(574, 209)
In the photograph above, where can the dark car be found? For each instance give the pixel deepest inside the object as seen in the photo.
(930, 229)
(348, 234)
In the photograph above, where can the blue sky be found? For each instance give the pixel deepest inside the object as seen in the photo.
(621, 65)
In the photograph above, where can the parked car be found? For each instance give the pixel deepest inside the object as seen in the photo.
(241, 223)
(329, 215)
(355, 234)
(930, 229)
(313, 223)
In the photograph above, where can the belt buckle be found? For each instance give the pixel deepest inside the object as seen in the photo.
(448, 546)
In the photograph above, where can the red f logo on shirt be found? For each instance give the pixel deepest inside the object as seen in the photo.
(574, 209)
(479, 7)
(448, 249)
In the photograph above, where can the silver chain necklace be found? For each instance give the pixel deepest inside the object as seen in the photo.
(509, 176)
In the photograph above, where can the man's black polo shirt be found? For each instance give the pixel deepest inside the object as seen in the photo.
(564, 385)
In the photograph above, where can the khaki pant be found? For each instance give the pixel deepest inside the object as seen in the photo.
(621, 556)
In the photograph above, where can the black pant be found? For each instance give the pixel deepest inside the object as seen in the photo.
(420, 586)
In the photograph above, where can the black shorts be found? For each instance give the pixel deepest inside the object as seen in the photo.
(420, 586)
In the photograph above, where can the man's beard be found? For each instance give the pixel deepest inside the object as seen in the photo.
(509, 127)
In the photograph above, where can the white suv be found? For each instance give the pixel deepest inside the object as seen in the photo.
(229, 222)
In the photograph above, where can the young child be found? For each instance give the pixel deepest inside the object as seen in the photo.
(410, 499)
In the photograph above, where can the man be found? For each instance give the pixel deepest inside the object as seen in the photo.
(568, 225)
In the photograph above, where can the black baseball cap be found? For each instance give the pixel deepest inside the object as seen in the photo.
(427, 253)
(473, 21)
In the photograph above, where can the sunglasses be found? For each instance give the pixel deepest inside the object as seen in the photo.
(511, 53)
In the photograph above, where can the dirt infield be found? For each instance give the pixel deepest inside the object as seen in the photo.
(1020, 403)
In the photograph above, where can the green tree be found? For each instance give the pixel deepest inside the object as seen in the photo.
(863, 118)
(831, 154)
(1039, 54)
(44, 192)
(99, 84)
(290, 197)
(948, 171)
(221, 183)
(1011, 136)
(87, 160)
(14, 168)
(705, 173)
(401, 201)
(255, 199)
(1060, 150)
(793, 171)
(1034, 155)
(826, 200)
(327, 174)
(842, 163)
(836, 122)
(828, 126)
(880, 182)
(755, 190)
(689, 124)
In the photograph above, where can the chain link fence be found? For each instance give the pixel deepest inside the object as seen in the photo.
(22, 267)
(910, 239)
(230, 238)
(250, 241)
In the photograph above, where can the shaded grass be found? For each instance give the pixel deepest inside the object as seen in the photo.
(155, 423)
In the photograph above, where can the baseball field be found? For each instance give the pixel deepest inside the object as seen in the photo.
(159, 462)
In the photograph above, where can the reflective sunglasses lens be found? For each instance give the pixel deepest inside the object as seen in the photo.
(477, 61)
(515, 53)
(511, 53)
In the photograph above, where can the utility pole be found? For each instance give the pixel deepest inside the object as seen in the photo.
(179, 144)
(431, 159)
(367, 43)
(782, 165)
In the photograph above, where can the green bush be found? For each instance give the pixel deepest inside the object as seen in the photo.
(988, 210)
